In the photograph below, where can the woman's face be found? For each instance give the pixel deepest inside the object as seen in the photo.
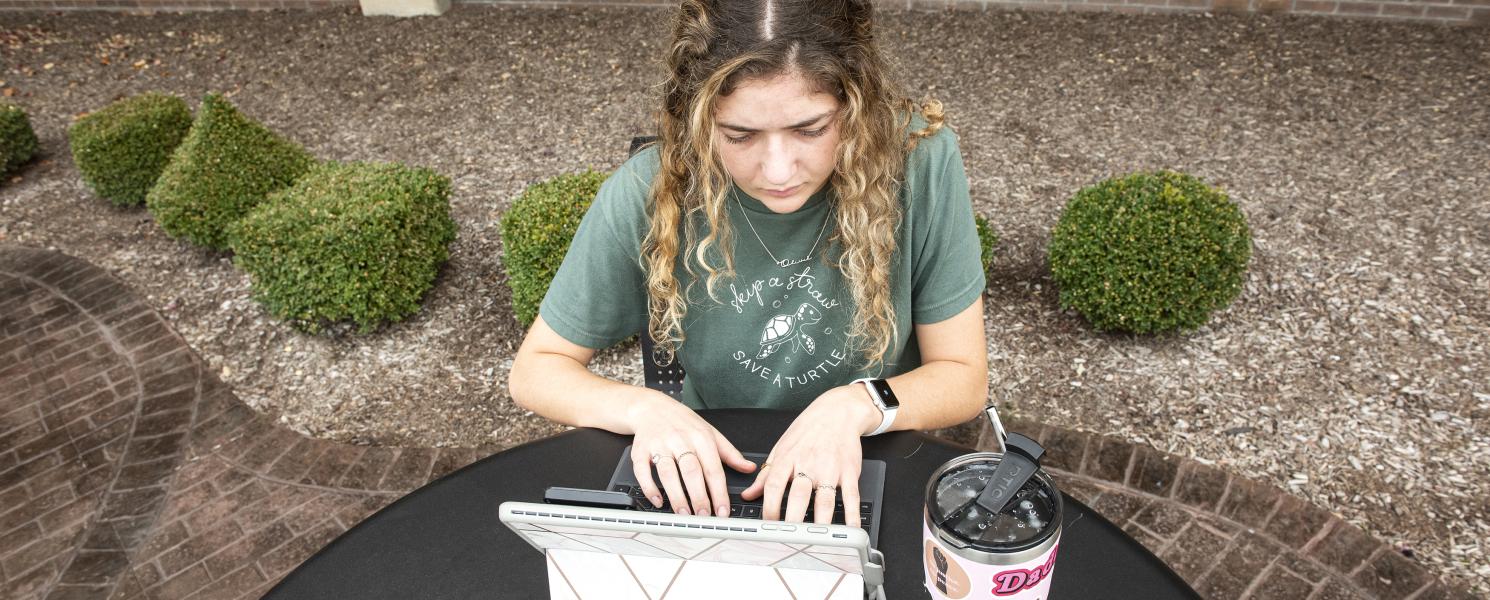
(777, 139)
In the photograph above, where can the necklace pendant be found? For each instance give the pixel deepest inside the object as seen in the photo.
(788, 263)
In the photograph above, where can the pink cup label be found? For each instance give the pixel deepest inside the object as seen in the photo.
(951, 577)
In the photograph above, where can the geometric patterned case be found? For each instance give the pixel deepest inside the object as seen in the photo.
(668, 556)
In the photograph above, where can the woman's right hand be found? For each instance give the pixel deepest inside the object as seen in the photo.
(688, 452)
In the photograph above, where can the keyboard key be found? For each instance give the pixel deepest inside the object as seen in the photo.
(735, 510)
(751, 512)
(624, 489)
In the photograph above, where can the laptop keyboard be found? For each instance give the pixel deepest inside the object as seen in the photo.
(751, 510)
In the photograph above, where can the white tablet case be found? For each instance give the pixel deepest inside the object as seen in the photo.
(615, 554)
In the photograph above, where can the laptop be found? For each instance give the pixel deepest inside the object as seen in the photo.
(615, 554)
(871, 493)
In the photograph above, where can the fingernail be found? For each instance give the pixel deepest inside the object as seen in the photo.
(683, 511)
(656, 501)
(704, 512)
(722, 510)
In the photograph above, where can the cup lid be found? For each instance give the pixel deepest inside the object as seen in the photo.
(1026, 520)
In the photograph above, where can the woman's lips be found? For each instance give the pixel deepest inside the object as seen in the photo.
(784, 193)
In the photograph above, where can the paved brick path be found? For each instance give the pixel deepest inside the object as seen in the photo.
(127, 471)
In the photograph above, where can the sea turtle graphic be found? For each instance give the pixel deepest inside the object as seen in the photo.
(784, 328)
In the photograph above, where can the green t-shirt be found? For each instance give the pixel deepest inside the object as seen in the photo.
(777, 338)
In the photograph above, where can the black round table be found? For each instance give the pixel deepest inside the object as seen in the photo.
(444, 540)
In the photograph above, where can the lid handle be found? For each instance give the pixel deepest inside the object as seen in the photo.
(1020, 462)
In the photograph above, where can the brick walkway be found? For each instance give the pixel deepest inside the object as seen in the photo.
(126, 471)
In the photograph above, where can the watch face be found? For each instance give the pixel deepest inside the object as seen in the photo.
(882, 388)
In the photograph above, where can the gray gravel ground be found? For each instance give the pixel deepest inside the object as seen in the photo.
(1352, 372)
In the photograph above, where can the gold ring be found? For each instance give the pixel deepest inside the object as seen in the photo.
(765, 465)
(685, 454)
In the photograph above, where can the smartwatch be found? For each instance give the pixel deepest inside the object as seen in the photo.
(884, 399)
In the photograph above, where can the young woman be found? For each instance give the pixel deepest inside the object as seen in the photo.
(800, 226)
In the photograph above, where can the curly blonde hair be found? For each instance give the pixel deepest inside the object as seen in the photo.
(717, 46)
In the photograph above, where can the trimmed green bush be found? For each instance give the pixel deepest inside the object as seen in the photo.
(17, 140)
(536, 232)
(1149, 252)
(227, 165)
(359, 242)
(987, 240)
(122, 149)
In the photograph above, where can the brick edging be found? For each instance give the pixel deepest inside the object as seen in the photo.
(1317, 539)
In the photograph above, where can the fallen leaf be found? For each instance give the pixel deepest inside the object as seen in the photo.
(8, 92)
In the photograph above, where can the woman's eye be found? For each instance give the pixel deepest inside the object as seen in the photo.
(737, 140)
(815, 132)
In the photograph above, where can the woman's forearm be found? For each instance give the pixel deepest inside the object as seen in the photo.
(939, 394)
(560, 388)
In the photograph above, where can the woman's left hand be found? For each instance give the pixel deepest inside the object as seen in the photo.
(818, 457)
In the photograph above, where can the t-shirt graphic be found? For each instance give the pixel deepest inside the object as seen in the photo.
(801, 339)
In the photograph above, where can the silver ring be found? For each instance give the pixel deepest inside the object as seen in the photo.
(801, 474)
(826, 486)
(656, 456)
(680, 456)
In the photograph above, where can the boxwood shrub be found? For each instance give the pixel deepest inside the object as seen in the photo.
(1149, 252)
(122, 149)
(987, 240)
(536, 232)
(17, 140)
(358, 242)
(227, 165)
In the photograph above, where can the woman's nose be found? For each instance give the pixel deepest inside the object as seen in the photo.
(779, 164)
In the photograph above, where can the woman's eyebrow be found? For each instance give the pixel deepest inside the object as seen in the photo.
(792, 126)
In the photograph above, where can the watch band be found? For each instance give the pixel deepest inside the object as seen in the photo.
(888, 407)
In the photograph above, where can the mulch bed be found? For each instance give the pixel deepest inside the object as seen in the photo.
(1352, 371)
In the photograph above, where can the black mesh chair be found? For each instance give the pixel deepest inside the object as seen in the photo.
(668, 379)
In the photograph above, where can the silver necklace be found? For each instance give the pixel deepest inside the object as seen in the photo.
(784, 262)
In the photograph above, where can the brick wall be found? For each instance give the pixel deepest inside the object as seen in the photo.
(1448, 12)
